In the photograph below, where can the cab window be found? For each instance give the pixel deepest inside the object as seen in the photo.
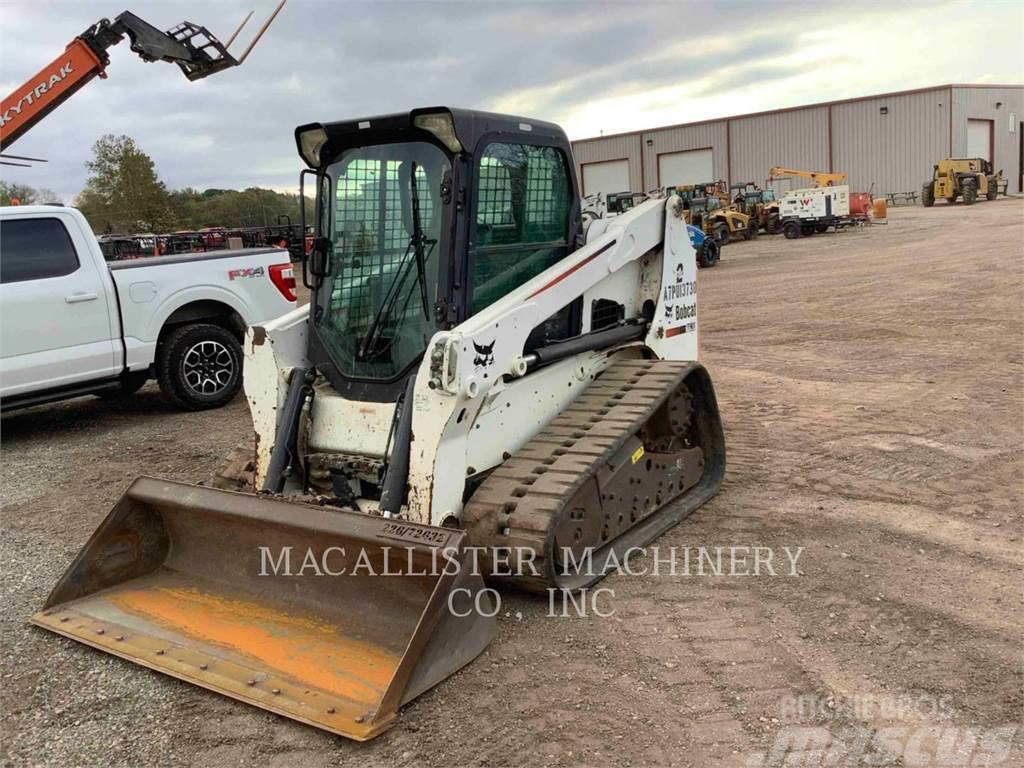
(35, 249)
(524, 195)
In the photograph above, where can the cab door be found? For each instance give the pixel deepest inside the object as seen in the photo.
(521, 224)
(56, 326)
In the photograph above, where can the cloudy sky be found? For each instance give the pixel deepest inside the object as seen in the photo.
(591, 67)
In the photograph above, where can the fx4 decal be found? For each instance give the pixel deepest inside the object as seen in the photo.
(235, 274)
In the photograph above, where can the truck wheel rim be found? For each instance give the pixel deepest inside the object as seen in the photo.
(207, 367)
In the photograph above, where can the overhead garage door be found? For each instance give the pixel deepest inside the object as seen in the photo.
(691, 167)
(607, 177)
(979, 139)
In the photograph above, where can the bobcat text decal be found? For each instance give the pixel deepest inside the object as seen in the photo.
(680, 300)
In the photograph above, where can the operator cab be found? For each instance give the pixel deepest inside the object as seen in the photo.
(424, 219)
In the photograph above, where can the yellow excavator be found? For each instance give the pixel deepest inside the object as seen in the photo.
(484, 385)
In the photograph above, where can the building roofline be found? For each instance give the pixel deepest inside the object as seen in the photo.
(815, 105)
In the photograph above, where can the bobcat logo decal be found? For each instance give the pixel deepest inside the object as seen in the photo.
(669, 312)
(484, 354)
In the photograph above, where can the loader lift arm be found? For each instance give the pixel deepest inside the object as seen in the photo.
(193, 48)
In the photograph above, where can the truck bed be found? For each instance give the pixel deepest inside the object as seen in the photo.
(182, 258)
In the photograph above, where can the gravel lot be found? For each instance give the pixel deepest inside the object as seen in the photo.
(871, 387)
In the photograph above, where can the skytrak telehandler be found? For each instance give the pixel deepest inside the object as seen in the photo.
(475, 369)
(965, 178)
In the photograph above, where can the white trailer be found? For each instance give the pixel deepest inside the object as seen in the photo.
(806, 211)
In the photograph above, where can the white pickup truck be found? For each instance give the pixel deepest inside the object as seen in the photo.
(72, 324)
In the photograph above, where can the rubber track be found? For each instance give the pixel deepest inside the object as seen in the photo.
(517, 506)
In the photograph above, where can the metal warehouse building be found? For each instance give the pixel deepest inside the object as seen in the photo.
(886, 143)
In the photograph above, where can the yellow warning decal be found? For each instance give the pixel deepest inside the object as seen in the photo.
(638, 454)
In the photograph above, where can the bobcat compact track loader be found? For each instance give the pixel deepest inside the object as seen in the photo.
(478, 389)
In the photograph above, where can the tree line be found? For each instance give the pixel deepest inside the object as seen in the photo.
(124, 195)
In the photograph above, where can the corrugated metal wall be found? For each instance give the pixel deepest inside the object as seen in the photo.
(797, 139)
(980, 103)
(625, 147)
(701, 136)
(892, 152)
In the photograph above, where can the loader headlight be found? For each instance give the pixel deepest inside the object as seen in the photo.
(311, 141)
(441, 125)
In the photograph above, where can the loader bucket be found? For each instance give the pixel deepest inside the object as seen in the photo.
(332, 618)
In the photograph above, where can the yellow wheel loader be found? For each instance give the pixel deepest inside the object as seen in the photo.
(759, 204)
(480, 388)
(721, 224)
(964, 178)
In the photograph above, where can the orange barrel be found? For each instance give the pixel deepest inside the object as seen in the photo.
(879, 209)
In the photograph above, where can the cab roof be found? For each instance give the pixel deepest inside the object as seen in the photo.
(470, 125)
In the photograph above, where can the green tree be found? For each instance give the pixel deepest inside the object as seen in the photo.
(123, 192)
(253, 207)
(26, 195)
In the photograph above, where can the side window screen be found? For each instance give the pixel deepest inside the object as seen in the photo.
(32, 249)
(522, 217)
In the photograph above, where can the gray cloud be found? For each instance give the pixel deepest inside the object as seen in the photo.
(336, 60)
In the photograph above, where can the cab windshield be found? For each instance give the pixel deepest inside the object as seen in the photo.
(382, 209)
(706, 204)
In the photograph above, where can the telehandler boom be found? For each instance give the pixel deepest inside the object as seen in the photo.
(820, 178)
(479, 388)
(193, 48)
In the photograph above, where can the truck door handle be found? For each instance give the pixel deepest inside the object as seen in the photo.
(77, 298)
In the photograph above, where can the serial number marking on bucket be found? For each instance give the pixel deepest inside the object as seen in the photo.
(414, 533)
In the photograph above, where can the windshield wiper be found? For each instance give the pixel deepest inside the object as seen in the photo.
(417, 246)
(418, 241)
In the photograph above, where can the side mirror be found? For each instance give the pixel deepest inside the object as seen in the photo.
(319, 264)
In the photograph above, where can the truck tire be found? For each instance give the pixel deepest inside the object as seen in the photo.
(721, 233)
(199, 366)
(993, 189)
(969, 189)
(791, 229)
(928, 195)
(821, 227)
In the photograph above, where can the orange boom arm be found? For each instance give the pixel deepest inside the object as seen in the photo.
(46, 90)
(197, 52)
